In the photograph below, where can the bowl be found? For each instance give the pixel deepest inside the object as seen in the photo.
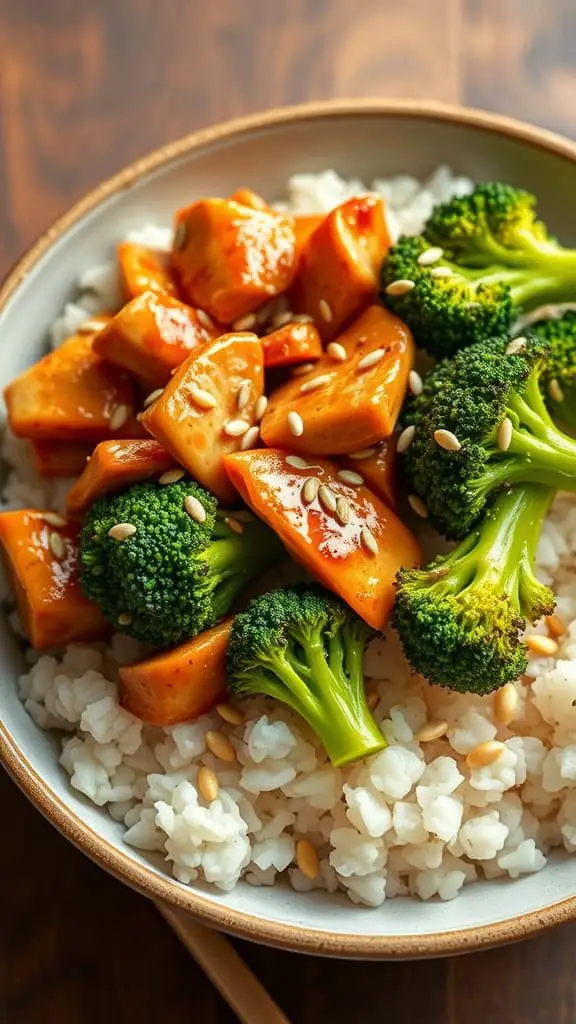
(361, 139)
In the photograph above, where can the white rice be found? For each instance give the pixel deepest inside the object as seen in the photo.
(414, 819)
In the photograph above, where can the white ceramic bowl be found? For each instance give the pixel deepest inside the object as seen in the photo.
(361, 139)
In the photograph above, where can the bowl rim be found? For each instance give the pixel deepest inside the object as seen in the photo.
(140, 877)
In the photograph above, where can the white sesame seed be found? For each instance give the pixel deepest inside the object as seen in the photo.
(348, 476)
(431, 255)
(327, 498)
(362, 453)
(234, 524)
(280, 319)
(261, 406)
(418, 506)
(151, 398)
(405, 439)
(204, 318)
(181, 235)
(250, 439)
(171, 476)
(310, 490)
(235, 428)
(415, 382)
(295, 423)
(57, 546)
(195, 509)
(119, 416)
(243, 396)
(515, 346)
(122, 531)
(125, 619)
(447, 440)
(303, 318)
(372, 359)
(336, 351)
(343, 511)
(53, 519)
(296, 462)
(543, 646)
(504, 435)
(244, 323)
(201, 397)
(325, 311)
(441, 272)
(369, 541)
(555, 391)
(90, 327)
(304, 368)
(315, 383)
(400, 287)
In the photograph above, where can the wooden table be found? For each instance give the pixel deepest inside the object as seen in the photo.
(86, 86)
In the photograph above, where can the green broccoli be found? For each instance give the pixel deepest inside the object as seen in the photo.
(497, 258)
(175, 575)
(488, 398)
(559, 380)
(305, 647)
(460, 617)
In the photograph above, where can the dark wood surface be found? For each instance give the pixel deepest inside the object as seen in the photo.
(86, 86)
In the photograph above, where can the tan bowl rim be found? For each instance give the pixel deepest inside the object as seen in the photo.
(119, 864)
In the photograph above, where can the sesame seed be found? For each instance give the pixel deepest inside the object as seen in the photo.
(207, 782)
(125, 619)
(244, 323)
(372, 359)
(327, 498)
(555, 391)
(119, 416)
(303, 318)
(195, 509)
(315, 383)
(201, 397)
(171, 476)
(229, 714)
(348, 476)
(362, 453)
(431, 255)
(447, 440)
(280, 319)
(53, 519)
(310, 489)
(233, 524)
(506, 704)
(235, 428)
(90, 327)
(151, 398)
(485, 754)
(545, 646)
(204, 319)
(418, 506)
(296, 462)
(243, 396)
(219, 745)
(325, 311)
(122, 531)
(303, 369)
(405, 439)
(441, 272)
(261, 406)
(307, 859)
(504, 435)
(57, 546)
(343, 511)
(515, 346)
(400, 287)
(415, 383)
(181, 236)
(250, 439)
(295, 423)
(369, 541)
(555, 626)
(372, 700)
(431, 731)
(336, 351)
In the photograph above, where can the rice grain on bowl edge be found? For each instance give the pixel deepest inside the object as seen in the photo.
(469, 787)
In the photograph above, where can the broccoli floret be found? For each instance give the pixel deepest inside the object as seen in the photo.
(460, 617)
(173, 576)
(489, 397)
(559, 379)
(500, 260)
(305, 647)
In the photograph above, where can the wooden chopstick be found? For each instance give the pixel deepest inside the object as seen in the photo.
(226, 970)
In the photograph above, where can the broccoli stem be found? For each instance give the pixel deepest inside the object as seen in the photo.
(234, 559)
(530, 284)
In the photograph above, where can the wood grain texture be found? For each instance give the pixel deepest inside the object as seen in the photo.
(84, 88)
